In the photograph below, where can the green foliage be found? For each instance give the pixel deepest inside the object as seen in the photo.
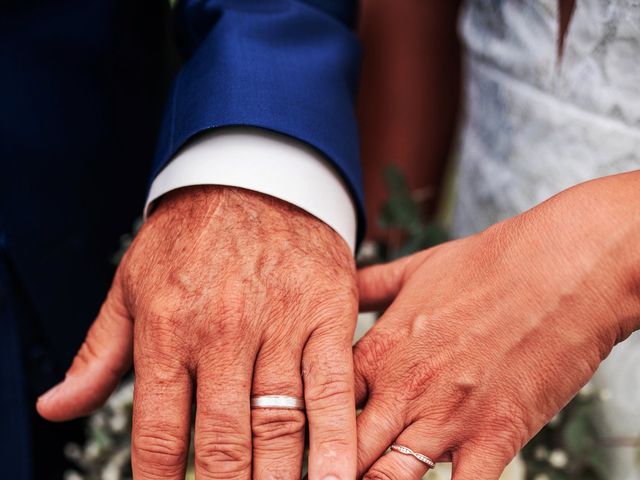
(402, 213)
(572, 437)
(106, 455)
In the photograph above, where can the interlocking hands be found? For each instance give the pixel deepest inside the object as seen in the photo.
(226, 294)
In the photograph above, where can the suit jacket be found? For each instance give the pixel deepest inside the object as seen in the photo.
(89, 93)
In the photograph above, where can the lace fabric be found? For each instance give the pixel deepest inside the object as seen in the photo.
(536, 124)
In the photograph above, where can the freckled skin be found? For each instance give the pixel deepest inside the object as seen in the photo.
(223, 294)
(486, 338)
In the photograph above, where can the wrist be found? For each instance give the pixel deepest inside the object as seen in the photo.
(582, 246)
(266, 219)
(602, 233)
(266, 162)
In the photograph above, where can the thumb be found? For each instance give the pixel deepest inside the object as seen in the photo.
(98, 366)
(379, 284)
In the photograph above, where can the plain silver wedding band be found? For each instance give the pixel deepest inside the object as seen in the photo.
(418, 456)
(277, 401)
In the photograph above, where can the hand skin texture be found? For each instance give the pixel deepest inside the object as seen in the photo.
(223, 294)
(488, 337)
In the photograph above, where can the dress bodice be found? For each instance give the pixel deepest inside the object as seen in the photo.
(536, 123)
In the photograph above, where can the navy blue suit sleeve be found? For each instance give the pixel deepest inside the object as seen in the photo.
(284, 65)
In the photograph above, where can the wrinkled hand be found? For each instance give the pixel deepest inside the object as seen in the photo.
(224, 294)
(487, 339)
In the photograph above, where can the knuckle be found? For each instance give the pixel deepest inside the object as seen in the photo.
(277, 470)
(379, 474)
(159, 452)
(222, 460)
(222, 454)
(333, 312)
(230, 306)
(158, 306)
(501, 453)
(157, 368)
(509, 416)
(332, 443)
(328, 391)
(161, 308)
(374, 350)
(453, 395)
(503, 433)
(387, 416)
(417, 379)
(489, 453)
(269, 425)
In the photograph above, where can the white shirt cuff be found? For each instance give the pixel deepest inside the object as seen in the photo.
(266, 162)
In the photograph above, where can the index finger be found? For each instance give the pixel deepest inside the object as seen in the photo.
(161, 417)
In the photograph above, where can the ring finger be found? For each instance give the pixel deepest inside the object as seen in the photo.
(278, 433)
(417, 446)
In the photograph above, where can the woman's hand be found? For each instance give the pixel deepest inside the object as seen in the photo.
(490, 336)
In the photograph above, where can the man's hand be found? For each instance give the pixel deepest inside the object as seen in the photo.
(488, 337)
(225, 294)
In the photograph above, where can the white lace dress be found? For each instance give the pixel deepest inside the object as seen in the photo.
(535, 125)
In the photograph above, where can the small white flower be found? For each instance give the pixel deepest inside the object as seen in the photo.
(605, 395)
(542, 476)
(111, 472)
(72, 475)
(558, 459)
(122, 398)
(118, 422)
(73, 451)
(368, 250)
(92, 451)
(97, 420)
(541, 453)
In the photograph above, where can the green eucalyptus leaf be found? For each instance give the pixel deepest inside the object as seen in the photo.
(579, 433)
(599, 463)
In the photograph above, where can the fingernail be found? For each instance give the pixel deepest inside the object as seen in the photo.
(330, 477)
(49, 394)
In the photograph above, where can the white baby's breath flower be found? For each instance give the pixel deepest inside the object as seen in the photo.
(368, 250)
(72, 475)
(558, 459)
(605, 395)
(122, 398)
(118, 422)
(542, 476)
(92, 451)
(97, 420)
(541, 453)
(73, 452)
(111, 472)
